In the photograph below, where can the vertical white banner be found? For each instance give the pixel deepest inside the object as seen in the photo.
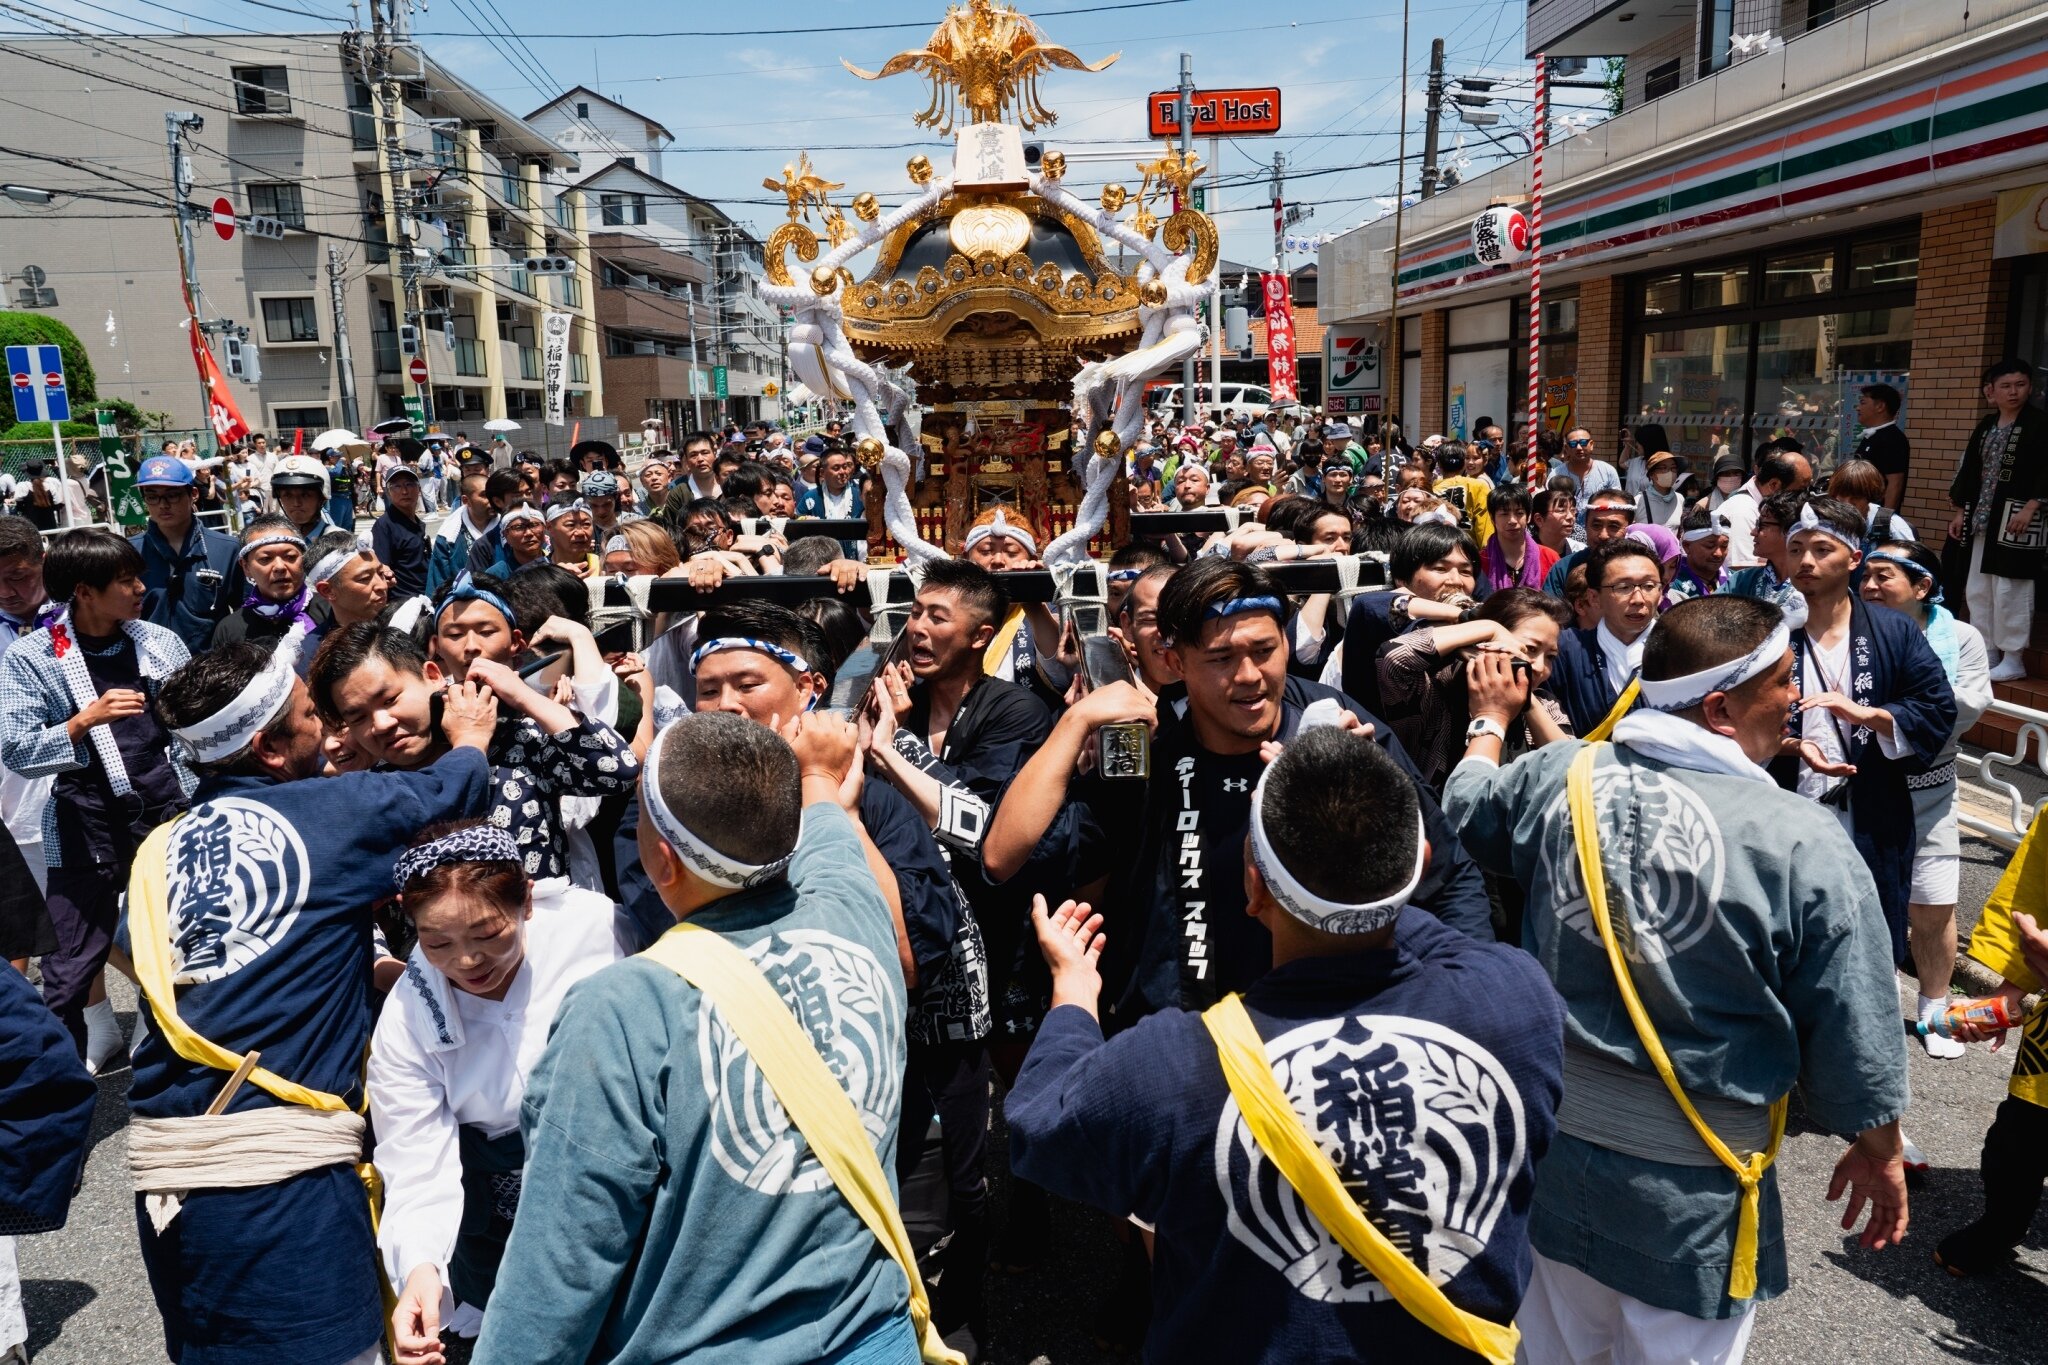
(554, 364)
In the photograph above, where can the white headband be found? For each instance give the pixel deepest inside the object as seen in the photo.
(1442, 516)
(701, 858)
(523, 512)
(1809, 522)
(1332, 917)
(1000, 525)
(563, 509)
(274, 538)
(1680, 694)
(1716, 527)
(334, 561)
(230, 730)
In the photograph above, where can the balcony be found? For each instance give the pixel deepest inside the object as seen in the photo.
(1604, 28)
(469, 358)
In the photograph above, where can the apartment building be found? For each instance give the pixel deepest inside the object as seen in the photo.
(287, 129)
(678, 299)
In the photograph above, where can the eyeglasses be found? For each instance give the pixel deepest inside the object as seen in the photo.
(1578, 445)
(1638, 589)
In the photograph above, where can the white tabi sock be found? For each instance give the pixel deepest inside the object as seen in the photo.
(1937, 1046)
(103, 1041)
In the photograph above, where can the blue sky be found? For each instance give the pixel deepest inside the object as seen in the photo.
(1336, 61)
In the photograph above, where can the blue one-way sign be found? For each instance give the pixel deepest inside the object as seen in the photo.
(38, 377)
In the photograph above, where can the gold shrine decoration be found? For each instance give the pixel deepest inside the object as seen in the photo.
(987, 57)
(804, 188)
(1192, 231)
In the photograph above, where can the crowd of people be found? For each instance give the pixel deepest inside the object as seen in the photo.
(1435, 988)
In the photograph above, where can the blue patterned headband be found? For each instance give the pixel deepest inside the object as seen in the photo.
(718, 868)
(465, 589)
(474, 844)
(1238, 606)
(1125, 575)
(795, 663)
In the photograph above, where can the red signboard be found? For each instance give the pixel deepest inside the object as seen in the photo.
(1218, 113)
(224, 219)
(417, 371)
(1282, 377)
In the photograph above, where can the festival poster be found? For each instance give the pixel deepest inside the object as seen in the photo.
(1282, 376)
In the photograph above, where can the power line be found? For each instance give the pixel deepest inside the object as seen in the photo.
(756, 32)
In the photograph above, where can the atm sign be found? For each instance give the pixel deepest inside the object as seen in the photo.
(1218, 113)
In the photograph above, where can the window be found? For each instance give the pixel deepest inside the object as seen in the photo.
(1798, 275)
(1661, 295)
(291, 319)
(262, 90)
(1874, 265)
(1660, 80)
(309, 419)
(1720, 286)
(278, 200)
(620, 210)
(1717, 26)
(582, 109)
(629, 162)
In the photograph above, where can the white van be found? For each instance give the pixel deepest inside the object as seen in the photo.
(1240, 398)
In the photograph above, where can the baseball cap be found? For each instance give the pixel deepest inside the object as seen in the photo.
(164, 471)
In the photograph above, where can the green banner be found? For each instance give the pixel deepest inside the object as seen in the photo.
(718, 381)
(416, 412)
(121, 491)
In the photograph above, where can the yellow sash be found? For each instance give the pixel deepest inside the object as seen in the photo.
(816, 1105)
(1748, 1173)
(149, 949)
(1622, 705)
(1277, 1129)
(999, 646)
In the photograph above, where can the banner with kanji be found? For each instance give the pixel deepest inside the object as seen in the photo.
(1283, 377)
(221, 413)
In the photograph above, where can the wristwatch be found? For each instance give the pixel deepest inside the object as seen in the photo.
(1485, 725)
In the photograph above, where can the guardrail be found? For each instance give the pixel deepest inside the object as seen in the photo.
(2034, 728)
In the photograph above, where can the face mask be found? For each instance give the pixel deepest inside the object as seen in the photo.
(1664, 478)
(1728, 483)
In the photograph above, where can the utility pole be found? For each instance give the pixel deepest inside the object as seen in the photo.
(1187, 138)
(1435, 107)
(337, 296)
(176, 121)
(397, 187)
(1280, 211)
(1391, 352)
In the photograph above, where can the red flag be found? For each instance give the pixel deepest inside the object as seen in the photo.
(222, 414)
(1281, 375)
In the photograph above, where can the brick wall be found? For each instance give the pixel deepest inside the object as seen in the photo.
(1958, 329)
(1431, 419)
(1601, 363)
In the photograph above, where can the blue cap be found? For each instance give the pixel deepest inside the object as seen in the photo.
(164, 471)
(814, 445)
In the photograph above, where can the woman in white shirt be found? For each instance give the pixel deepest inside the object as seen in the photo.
(458, 1036)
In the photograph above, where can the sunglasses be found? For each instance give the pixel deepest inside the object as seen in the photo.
(1578, 445)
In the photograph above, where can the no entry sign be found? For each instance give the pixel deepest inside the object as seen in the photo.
(1218, 113)
(224, 219)
(417, 371)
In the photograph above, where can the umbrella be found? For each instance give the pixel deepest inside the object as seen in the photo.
(336, 438)
(501, 424)
(392, 426)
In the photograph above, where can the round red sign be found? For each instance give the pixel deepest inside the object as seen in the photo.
(418, 370)
(224, 219)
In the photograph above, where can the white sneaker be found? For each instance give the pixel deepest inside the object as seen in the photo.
(1916, 1160)
(1942, 1049)
(2010, 669)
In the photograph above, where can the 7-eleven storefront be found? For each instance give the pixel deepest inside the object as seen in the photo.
(1735, 260)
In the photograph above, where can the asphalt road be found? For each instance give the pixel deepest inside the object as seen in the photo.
(89, 1303)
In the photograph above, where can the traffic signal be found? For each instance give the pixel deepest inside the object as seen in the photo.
(408, 339)
(550, 265)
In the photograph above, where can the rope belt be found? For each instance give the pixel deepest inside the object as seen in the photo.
(1748, 1172)
(169, 1157)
